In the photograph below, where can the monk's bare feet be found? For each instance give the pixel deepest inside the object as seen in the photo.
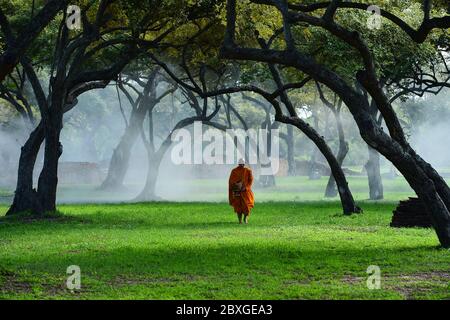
(246, 219)
(240, 218)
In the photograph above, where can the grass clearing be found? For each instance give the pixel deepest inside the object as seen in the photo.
(290, 250)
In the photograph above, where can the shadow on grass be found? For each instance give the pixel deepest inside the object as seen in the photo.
(227, 261)
(28, 217)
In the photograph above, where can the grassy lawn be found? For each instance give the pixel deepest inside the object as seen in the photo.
(290, 250)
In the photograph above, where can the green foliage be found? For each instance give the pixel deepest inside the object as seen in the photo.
(253, 115)
(394, 52)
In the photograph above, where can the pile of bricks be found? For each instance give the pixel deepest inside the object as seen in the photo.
(411, 213)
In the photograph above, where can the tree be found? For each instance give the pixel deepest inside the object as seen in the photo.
(156, 153)
(146, 100)
(345, 194)
(422, 177)
(335, 108)
(68, 80)
(114, 33)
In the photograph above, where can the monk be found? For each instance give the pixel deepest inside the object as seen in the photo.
(240, 194)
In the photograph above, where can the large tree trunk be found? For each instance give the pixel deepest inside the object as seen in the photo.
(374, 176)
(348, 203)
(426, 190)
(48, 179)
(155, 158)
(120, 159)
(44, 199)
(429, 186)
(148, 193)
(441, 186)
(25, 197)
(421, 176)
(331, 190)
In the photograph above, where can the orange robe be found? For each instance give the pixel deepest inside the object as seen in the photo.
(245, 202)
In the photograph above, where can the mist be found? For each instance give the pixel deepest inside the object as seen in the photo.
(95, 126)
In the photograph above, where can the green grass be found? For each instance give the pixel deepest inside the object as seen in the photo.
(290, 250)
